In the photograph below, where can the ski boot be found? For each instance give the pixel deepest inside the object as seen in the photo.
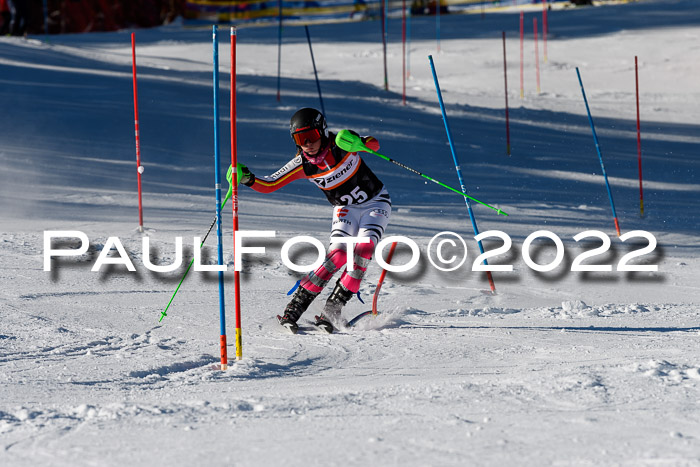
(331, 312)
(295, 308)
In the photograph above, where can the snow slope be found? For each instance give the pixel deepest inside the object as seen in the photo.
(558, 367)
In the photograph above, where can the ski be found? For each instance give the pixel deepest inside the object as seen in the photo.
(357, 318)
(324, 325)
(290, 326)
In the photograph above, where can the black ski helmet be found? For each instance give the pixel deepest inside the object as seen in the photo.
(308, 119)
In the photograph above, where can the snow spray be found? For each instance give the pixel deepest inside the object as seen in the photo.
(459, 170)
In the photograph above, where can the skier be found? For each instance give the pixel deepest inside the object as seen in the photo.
(362, 207)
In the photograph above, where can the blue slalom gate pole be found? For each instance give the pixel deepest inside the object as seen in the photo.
(217, 186)
(459, 170)
(313, 62)
(600, 155)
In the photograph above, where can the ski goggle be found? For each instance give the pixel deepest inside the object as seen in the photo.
(303, 136)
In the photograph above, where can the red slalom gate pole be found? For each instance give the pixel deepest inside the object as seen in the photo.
(505, 79)
(403, 41)
(537, 54)
(234, 197)
(522, 38)
(544, 28)
(139, 167)
(375, 299)
(639, 140)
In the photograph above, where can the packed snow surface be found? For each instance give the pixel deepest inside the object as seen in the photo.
(558, 367)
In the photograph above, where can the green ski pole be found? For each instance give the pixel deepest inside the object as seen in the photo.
(353, 143)
(229, 176)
